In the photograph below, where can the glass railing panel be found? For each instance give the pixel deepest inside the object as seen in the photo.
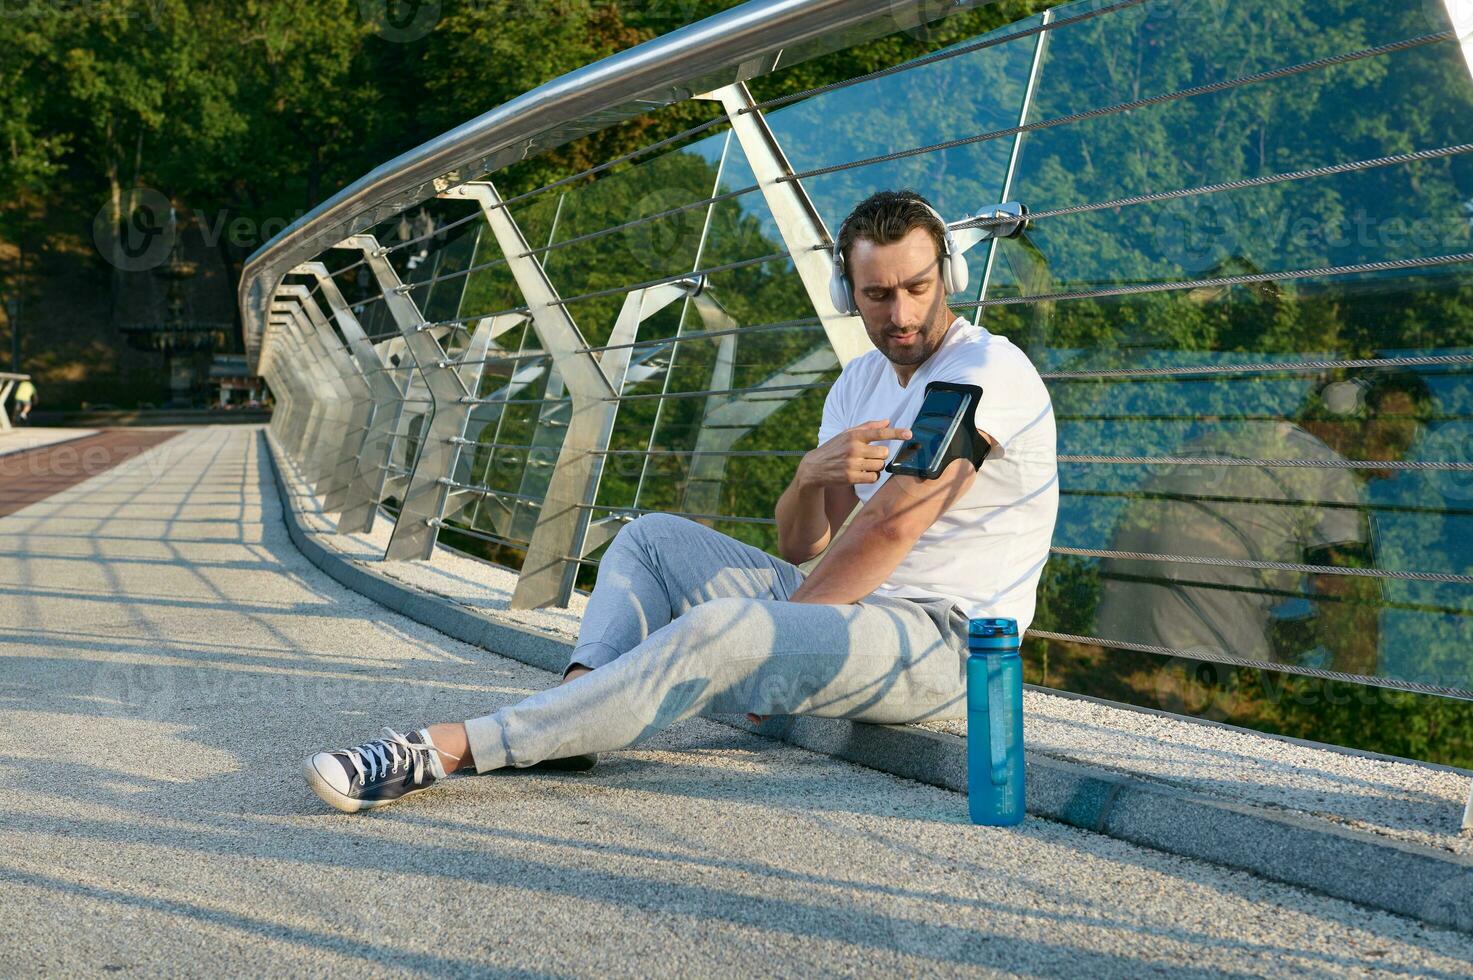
(647, 249)
(1376, 432)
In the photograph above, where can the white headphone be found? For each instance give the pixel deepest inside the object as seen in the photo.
(953, 268)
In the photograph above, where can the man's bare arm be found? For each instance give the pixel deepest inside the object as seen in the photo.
(802, 528)
(882, 534)
(822, 492)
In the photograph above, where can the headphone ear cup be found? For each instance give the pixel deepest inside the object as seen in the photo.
(956, 274)
(840, 290)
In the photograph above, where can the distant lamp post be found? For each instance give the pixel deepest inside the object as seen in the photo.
(12, 317)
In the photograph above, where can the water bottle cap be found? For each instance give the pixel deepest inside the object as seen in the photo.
(993, 634)
(993, 627)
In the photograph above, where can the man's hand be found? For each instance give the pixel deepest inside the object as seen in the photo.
(851, 456)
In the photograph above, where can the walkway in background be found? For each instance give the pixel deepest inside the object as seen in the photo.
(47, 467)
(167, 657)
(26, 437)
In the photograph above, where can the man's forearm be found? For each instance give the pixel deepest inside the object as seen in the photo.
(802, 520)
(858, 563)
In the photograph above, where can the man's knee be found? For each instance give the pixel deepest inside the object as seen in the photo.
(652, 526)
(651, 532)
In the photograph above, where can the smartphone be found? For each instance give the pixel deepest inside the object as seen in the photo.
(944, 429)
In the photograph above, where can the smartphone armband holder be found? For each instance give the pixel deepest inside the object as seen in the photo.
(944, 429)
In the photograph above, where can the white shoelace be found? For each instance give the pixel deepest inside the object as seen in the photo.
(383, 757)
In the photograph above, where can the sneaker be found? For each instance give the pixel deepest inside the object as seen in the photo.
(375, 773)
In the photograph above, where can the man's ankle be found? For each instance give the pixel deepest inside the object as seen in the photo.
(453, 746)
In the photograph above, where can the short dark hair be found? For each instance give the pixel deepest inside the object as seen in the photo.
(888, 216)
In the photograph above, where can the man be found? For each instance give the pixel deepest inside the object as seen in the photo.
(24, 397)
(1253, 511)
(684, 619)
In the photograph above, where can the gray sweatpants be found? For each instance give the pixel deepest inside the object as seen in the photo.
(684, 620)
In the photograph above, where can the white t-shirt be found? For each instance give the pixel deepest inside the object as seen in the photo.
(986, 552)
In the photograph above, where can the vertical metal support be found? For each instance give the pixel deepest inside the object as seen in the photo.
(324, 396)
(798, 221)
(355, 406)
(390, 387)
(644, 466)
(553, 416)
(727, 420)
(1007, 181)
(271, 371)
(379, 394)
(346, 384)
(6, 384)
(451, 386)
(490, 328)
(298, 402)
(503, 513)
(1460, 13)
(593, 383)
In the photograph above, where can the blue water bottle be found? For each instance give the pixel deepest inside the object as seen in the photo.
(994, 723)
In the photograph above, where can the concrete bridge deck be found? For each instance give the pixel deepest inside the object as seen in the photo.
(167, 656)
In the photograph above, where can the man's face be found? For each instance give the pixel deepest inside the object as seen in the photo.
(898, 290)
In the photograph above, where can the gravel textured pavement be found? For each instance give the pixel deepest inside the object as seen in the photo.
(167, 658)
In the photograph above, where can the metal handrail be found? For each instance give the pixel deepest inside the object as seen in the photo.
(724, 48)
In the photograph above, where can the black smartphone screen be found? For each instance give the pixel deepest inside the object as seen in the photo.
(931, 432)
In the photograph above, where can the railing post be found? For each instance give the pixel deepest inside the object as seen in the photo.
(594, 385)
(298, 401)
(452, 386)
(728, 419)
(324, 410)
(380, 397)
(799, 224)
(390, 387)
(493, 327)
(6, 384)
(346, 382)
